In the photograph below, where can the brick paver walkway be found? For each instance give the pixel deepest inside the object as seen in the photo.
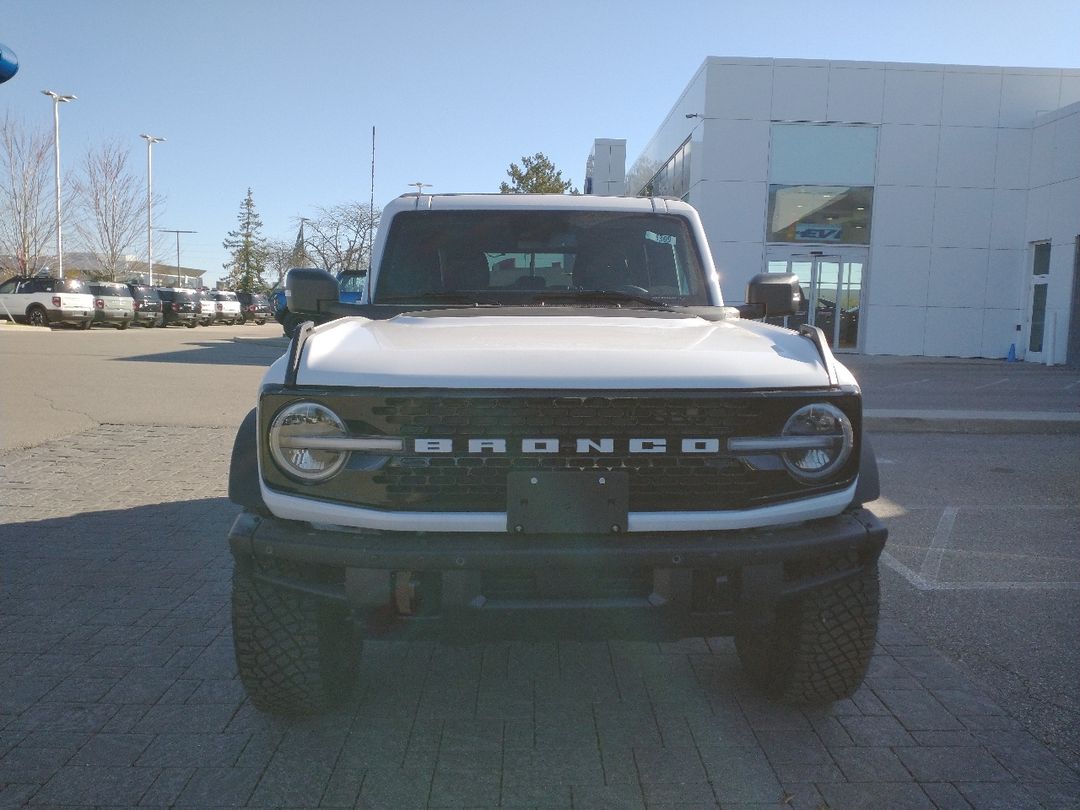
(118, 688)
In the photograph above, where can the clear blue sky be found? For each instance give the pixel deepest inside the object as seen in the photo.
(281, 96)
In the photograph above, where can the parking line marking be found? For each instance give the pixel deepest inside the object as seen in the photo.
(923, 584)
(931, 564)
(987, 385)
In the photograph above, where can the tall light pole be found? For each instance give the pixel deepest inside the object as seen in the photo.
(58, 99)
(150, 141)
(171, 230)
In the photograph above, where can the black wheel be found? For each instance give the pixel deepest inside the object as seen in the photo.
(123, 325)
(819, 646)
(86, 324)
(297, 655)
(260, 323)
(36, 316)
(191, 324)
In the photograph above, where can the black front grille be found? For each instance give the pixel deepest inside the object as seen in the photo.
(463, 481)
(656, 484)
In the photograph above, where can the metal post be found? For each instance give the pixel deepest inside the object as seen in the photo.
(171, 230)
(57, 99)
(150, 141)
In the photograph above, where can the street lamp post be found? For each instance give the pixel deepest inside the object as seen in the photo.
(150, 141)
(58, 99)
(171, 230)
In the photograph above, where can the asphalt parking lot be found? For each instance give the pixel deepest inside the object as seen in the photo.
(118, 688)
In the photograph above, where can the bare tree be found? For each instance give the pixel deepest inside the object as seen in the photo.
(338, 238)
(279, 258)
(27, 217)
(112, 202)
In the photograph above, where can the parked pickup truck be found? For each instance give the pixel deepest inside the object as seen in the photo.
(541, 418)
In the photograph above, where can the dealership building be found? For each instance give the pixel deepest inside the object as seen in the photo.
(927, 209)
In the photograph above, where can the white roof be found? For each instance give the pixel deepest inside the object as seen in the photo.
(502, 202)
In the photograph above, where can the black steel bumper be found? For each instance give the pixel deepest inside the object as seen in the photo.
(687, 584)
(75, 317)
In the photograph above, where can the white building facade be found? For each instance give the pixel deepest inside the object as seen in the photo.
(927, 209)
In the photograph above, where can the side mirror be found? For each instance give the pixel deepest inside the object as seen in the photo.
(307, 287)
(774, 294)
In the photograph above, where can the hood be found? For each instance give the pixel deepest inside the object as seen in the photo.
(635, 351)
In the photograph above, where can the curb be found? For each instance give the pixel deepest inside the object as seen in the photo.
(945, 421)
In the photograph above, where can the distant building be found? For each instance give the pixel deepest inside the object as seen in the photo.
(927, 209)
(81, 265)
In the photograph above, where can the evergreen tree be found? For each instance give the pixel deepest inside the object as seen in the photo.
(249, 250)
(536, 175)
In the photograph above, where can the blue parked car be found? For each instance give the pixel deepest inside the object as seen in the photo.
(351, 287)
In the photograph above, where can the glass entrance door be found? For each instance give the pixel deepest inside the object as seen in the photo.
(1036, 321)
(832, 291)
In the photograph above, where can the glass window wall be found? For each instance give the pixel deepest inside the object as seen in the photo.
(820, 214)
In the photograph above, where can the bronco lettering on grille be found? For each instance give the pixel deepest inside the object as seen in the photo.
(548, 445)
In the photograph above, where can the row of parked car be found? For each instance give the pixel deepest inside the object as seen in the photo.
(43, 301)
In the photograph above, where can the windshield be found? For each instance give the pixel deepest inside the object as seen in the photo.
(534, 257)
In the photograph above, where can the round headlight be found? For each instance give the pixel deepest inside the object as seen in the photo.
(829, 439)
(292, 450)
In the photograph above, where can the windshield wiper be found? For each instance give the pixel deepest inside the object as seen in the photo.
(598, 296)
(438, 297)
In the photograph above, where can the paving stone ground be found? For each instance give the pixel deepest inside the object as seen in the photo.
(118, 687)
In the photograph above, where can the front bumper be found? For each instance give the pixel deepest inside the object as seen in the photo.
(682, 584)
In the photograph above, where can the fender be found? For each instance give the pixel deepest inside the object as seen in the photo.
(869, 486)
(244, 467)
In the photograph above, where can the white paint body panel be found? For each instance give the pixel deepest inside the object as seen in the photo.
(558, 352)
(334, 515)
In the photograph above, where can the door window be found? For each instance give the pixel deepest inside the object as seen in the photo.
(1040, 272)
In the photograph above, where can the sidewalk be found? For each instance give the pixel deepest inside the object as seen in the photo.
(955, 395)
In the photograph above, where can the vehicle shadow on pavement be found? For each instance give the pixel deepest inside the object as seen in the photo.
(236, 351)
(119, 687)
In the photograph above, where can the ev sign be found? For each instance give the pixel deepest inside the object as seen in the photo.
(9, 64)
(817, 233)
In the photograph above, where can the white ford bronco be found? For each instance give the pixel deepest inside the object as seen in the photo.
(541, 418)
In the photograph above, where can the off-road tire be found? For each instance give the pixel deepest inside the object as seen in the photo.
(818, 648)
(36, 316)
(297, 655)
(190, 324)
(123, 325)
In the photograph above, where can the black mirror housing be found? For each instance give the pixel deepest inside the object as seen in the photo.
(774, 294)
(306, 288)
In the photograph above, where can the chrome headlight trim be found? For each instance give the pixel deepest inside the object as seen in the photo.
(305, 442)
(832, 441)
